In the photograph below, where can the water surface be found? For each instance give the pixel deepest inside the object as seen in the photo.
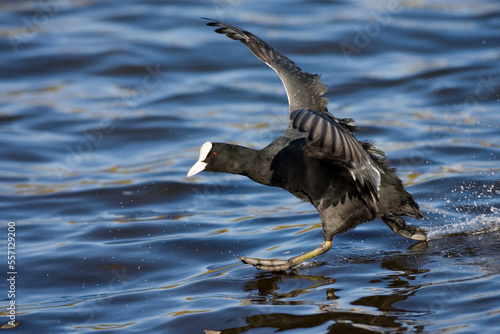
(104, 105)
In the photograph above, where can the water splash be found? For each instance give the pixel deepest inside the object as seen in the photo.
(480, 224)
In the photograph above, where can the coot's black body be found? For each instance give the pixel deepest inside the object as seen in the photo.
(317, 159)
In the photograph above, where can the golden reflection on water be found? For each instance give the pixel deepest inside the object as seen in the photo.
(178, 313)
(272, 248)
(41, 189)
(220, 231)
(284, 227)
(223, 270)
(310, 228)
(107, 326)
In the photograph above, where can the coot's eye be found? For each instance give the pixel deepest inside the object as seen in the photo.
(214, 154)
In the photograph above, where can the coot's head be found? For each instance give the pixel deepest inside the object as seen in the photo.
(214, 157)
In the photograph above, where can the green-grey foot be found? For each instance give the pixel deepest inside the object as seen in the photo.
(410, 232)
(398, 225)
(414, 232)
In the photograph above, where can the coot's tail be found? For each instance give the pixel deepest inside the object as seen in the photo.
(410, 208)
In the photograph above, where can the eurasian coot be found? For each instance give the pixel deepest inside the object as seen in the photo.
(317, 159)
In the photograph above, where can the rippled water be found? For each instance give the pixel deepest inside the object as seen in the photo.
(103, 107)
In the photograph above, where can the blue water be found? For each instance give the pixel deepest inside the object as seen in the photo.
(104, 105)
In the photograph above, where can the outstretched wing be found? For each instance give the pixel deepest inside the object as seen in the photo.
(304, 90)
(332, 140)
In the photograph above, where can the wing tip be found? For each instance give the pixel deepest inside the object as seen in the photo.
(311, 91)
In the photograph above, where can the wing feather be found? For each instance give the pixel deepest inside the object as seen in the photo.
(334, 141)
(304, 90)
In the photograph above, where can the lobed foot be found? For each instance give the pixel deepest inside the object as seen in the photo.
(398, 226)
(413, 232)
(269, 265)
(282, 265)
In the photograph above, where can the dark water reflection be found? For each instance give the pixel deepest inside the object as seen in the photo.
(396, 294)
(396, 297)
(103, 106)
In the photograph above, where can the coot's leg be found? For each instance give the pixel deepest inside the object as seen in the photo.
(398, 226)
(282, 265)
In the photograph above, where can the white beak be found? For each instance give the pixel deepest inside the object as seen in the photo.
(197, 167)
(200, 165)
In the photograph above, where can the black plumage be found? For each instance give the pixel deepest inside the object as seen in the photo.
(317, 159)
